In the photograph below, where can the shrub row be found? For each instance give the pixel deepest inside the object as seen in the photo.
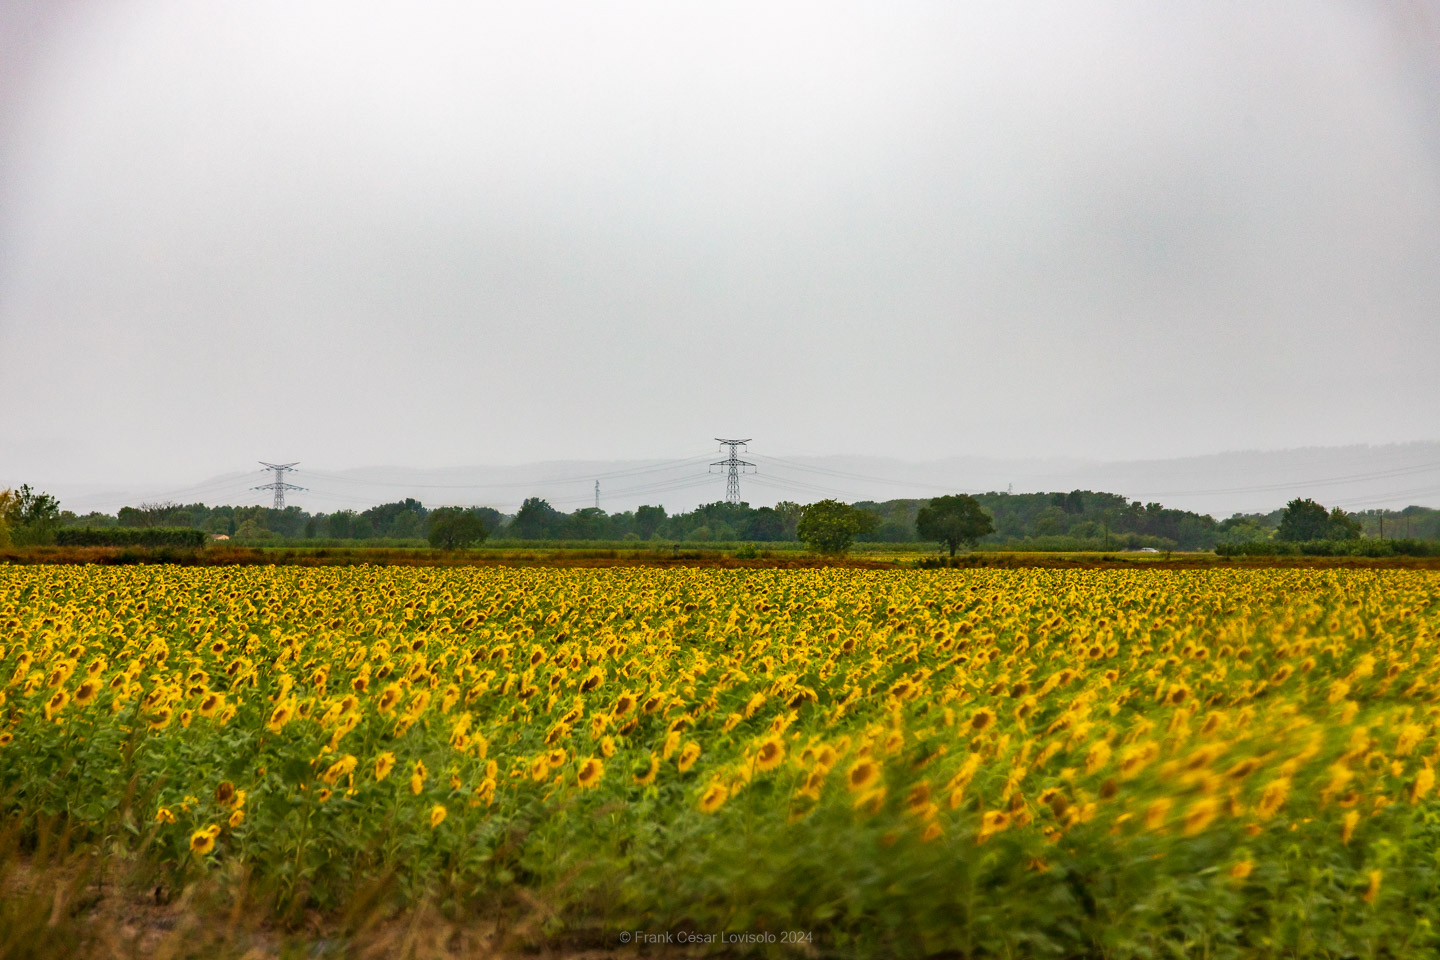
(1331, 548)
(131, 537)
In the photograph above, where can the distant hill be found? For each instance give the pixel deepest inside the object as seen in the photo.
(1353, 477)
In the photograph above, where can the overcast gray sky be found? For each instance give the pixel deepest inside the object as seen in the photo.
(442, 233)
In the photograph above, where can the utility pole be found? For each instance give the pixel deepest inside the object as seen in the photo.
(278, 485)
(736, 466)
(597, 494)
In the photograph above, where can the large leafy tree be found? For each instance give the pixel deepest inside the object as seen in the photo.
(454, 528)
(648, 520)
(953, 520)
(536, 520)
(1304, 519)
(32, 517)
(831, 526)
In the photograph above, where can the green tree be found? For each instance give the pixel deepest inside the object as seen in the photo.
(8, 499)
(830, 526)
(536, 520)
(587, 523)
(953, 520)
(648, 520)
(252, 530)
(31, 517)
(1303, 520)
(1342, 526)
(789, 512)
(455, 528)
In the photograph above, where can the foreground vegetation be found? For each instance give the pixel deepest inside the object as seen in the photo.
(991, 763)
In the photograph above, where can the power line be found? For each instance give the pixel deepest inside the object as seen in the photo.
(846, 475)
(550, 481)
(278, 485)
(736, 467)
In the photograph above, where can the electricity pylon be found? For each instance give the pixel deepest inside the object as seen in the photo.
(732, 479)
(279, 485)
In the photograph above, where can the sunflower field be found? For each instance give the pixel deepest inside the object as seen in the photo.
(981, 763)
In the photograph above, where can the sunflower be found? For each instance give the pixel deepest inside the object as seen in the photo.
(1423, 783)
(1097, 756)
(1347, 826)
(1240, 869)
(1272, 798)
(591, 770)
(918, 798)
(771, 754)
(224, 793)
(648, 777)
(814, 781)
(202, 842)
(417, 777)
(437, 815)
(213, 703)
(991, 823)
(280, 716)
(160, 719)
(237, 817)
(713, 798)
(86, 692)
(345, 765)
(862, 774)
(56, 703)
(672, 742)
(384, 764)
(688, 755)
(1372, 892)
(871, 801)
(982, 719)
(388, 698)
(607, 747)
(163, 815)
(1200, 815)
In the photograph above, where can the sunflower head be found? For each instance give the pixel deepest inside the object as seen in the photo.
(771, 753)
(202, 842)
(384, 764)
(87, 691)
(648, 776)
(862, 774)
(590, 772)
(714, 797)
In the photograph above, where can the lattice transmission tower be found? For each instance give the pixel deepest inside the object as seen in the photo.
(736, 467)
(278, 485)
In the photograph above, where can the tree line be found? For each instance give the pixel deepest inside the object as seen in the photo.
(1077, 520)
